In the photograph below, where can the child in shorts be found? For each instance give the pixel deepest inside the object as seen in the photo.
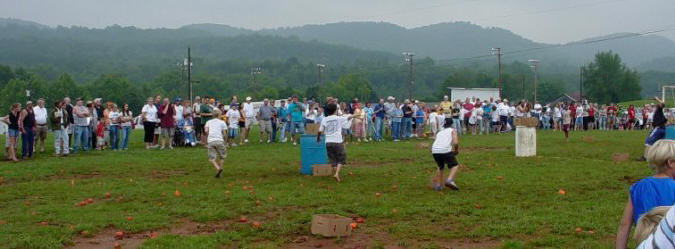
(332, 126)
(444, 149)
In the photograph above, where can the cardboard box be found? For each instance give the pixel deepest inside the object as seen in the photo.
(331, 225)
(322, 170)
(527, 122)
(312, 129)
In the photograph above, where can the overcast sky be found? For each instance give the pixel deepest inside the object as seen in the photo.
(552, 21)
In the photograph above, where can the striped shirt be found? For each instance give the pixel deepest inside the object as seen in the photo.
(663, 236)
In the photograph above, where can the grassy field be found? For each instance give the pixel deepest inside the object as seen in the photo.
(504, 201)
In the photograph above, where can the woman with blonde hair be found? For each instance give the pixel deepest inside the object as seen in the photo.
(650, 192)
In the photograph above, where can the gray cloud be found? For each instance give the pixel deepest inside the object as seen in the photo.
(552, 21)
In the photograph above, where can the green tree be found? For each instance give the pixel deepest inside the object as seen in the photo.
(63, 86)
(117, 89)
(13, 92)
(6, 74)
(607, 79)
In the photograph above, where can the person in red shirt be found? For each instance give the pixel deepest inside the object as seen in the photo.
(167, 122)
(611, 116)
(591, 117)
(573, 111)
(631, 116)
(468, 108)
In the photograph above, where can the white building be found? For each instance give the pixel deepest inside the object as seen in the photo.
(458, 93)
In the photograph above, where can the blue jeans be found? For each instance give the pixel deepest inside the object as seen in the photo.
(283, 127)
(457, 125)
(81, 138)
(546, 121)
(274, 132)
(395, 129)
(378, 128)
(126, 131)
(27, 142)
(114, 142)
(602, 123)
(406, 126)
(297, 127)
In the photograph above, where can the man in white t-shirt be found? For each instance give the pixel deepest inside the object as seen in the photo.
(178, 107)
(40, 124)
(249, 115)
(332, 126)
(444, 149)
(215, 130)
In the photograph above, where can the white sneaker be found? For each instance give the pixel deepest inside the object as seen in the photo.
(234, 145)
(283, 141)
(268, 141)
(245, 140)
(294, 144)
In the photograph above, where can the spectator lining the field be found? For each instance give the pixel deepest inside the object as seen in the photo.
(662, 233)
(650, 192)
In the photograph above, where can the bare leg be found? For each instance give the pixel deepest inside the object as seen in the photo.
(453, 172)
(439, 177)
(215, 164)
(337, 172)
(170, 141)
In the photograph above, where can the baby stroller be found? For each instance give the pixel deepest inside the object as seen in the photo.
(185, 133)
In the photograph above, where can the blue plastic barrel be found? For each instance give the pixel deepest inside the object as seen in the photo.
(311, 153)
(670, 132)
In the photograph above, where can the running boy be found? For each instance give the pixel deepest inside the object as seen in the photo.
(332, 126)
(444, 150)
(214, 130)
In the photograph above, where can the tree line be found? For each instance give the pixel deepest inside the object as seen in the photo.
(606, 80)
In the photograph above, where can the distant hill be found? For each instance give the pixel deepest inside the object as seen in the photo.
(665, 64)
(457, 40)
(12, 21)
(141, 52)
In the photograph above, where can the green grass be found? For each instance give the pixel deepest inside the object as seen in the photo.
(523, 210)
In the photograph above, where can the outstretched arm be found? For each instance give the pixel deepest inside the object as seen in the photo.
(455, 142)
(624, 226)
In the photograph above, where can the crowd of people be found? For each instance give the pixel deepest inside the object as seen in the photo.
(88, 125)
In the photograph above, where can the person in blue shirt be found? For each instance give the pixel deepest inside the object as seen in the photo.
(282, 119)
(370, 129)
(296, 110)
(487, 117)
(396, 118)
(650, 192)
(379, 113)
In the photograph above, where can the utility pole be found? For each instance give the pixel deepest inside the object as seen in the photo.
(409, 58)
(319, 68)
(533, 65)
(581, 83)
(189, 72)
(498, 52)
(254, 70)
(522, 86)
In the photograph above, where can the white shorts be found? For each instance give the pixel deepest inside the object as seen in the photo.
(249, 121)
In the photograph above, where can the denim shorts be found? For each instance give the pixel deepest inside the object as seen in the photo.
(13, 132)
